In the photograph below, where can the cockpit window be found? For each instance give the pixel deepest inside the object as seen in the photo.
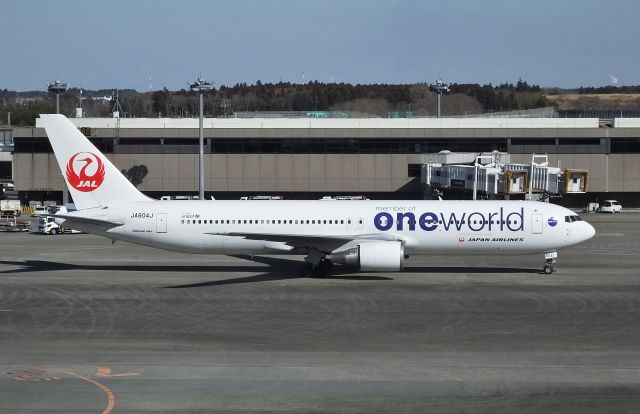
(571, 219)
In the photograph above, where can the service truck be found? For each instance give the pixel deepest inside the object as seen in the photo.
(48, 225)
(10, 208)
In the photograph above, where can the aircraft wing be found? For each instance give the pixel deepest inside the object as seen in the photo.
(310, 240)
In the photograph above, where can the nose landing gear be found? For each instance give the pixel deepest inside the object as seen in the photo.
(549, 262)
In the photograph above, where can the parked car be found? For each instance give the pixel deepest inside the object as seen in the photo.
(610, 206)
(40, 210)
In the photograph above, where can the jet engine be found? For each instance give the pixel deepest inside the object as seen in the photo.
(375, 256)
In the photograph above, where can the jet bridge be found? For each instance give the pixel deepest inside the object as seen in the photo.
(492, 175)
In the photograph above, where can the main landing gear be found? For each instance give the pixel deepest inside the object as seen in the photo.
(316, 264)
(549, 262)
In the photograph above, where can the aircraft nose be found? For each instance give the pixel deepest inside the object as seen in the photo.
(589, 231)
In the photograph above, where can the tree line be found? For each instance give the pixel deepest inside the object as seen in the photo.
(375, 100)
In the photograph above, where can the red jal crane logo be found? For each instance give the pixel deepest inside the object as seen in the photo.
(85, 171)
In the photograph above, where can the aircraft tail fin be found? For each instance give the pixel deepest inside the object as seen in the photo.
(92, 179)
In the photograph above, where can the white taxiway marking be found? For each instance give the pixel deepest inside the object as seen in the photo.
(611, 234)
(6, 310)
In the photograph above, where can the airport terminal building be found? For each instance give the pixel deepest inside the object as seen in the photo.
(309, 158)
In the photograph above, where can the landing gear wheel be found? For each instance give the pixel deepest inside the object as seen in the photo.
(325, 267)
(306, 270)
(549, 262)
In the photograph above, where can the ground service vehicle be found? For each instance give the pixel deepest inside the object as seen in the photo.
(10, 207)
(610, 206)
(48, 225)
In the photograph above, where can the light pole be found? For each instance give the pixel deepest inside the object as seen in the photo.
(439, 87)
(57, 88)
(200, 85)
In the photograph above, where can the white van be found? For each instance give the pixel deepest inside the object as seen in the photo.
(40, 210)
(610, 206)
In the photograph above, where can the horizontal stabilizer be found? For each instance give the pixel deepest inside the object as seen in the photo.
(86, 220)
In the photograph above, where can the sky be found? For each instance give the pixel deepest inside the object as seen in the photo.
(167, 43)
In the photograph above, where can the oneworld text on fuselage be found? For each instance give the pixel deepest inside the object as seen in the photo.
(499, 220)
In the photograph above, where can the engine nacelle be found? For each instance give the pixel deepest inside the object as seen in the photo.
(378, 256)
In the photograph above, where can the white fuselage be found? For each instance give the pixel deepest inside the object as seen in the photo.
(424, 227)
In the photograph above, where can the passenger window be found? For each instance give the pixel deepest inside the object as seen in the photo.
(181, 221)
(188, 221)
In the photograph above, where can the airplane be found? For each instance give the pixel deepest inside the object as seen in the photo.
(371, 235)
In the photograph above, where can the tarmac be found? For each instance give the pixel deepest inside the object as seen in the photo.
(91, 327)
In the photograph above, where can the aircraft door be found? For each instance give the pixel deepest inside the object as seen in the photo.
(536, 223)
(161, 222)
